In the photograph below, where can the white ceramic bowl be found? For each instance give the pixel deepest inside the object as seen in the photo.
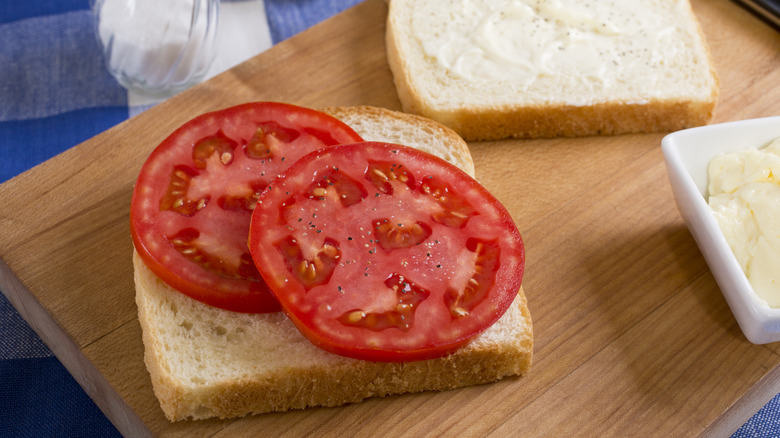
(687, 154)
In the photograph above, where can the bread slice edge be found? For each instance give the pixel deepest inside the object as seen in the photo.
(295, 373)
(383, 124)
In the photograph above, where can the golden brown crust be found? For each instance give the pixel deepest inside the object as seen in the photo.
(611, 118)
(410, 100)
(406, 129)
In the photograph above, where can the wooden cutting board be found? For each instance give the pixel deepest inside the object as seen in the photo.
(632, 334)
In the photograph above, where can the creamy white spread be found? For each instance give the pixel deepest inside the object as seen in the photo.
(744, 195)
(590, 43)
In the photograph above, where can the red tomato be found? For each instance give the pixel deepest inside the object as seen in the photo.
(194, 197)
(385, 253)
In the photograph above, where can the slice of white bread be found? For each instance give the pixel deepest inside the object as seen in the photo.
(206, 362)
(492, 69)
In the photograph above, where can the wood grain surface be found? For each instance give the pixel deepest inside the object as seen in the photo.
(632, 334)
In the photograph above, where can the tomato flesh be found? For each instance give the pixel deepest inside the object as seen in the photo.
(195, 194)
(386, 253)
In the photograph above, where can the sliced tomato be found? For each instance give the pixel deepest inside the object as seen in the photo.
(386, 253)
(194, 197)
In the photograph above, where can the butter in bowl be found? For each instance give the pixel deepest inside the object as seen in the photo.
(723, 184)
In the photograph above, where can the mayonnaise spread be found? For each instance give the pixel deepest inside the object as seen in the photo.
(591, 43)
(744, 195)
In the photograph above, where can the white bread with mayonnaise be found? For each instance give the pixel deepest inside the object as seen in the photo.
(206, 362)
(493, 69)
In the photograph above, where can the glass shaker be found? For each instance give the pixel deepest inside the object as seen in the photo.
(157, 47)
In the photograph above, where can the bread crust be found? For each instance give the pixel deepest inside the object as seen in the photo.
(604, 116)
(407, 129)
(608, 118)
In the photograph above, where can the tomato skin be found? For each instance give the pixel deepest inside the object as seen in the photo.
(194, 195)
(412, 280)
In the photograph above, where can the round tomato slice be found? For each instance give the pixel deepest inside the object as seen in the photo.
(385, 253)
(194, 197)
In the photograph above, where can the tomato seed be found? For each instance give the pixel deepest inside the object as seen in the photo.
(460, 312)
(380, 174)
(319, 192)
(356, 316)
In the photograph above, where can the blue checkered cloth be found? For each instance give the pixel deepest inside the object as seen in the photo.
(56, 93)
